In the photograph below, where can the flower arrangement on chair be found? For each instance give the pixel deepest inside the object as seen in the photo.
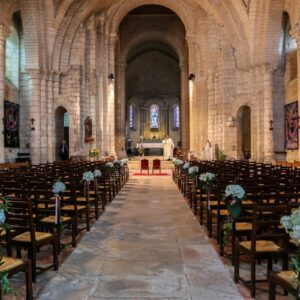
(234, 195)
(58, 188)
(4, 280)
(207, 181)
(193, 171)
(291, 225)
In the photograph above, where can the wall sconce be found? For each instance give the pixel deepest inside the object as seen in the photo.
(230, 122)
(271, 125)
(32, 122)
(192, 77)
(111, 76)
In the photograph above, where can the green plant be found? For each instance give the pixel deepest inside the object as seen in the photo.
(220, 155)
(4, 281)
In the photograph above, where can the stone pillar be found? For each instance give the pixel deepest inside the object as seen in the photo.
(268, 115)
(35, 115)
(50, 102)
(111, 96)
(44, 118)
(3, 35)
(100, 84)
(121, 107)
(192, 92)
(184, 110)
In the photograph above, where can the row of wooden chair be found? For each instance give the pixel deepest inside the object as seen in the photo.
(36, 221)
(271, 192)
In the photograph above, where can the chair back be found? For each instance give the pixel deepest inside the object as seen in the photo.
(144, 164)
(19, 217)
(156, 164)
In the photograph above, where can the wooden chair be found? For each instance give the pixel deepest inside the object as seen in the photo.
(22, 234)
(285, 280)
(266, 233)
(15, 265)
(145, 165)
(156, 165)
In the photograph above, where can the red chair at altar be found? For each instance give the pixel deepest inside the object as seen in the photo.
(156, 165)
(145, 165)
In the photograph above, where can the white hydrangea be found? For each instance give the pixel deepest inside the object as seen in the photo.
(2, 216)
(109, 164)
(193, 170)
(207, 176)
(88, 176)
(292, 224)
(234, 191)
(97, 173)
(58, 187)
(186, 165)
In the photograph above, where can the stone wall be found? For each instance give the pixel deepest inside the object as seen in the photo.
(70, 48)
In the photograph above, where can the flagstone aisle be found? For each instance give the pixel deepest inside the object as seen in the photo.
(147, 245)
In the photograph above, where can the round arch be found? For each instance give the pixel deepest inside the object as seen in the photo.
(158, 36)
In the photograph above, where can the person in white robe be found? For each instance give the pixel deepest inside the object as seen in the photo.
(208, 151)
(168, 148)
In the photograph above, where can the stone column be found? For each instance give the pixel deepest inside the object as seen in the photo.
(50, 102)
(121, 107)
(268, 114)
(100, 84)
(184, 110)
(110, 117)
(3, 35)
(35, 115)
(44, 118)
(192, 92)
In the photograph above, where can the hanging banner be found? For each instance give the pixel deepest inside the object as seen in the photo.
(291, 126)
(11, 124)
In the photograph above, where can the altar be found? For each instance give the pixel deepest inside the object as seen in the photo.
(151, 148)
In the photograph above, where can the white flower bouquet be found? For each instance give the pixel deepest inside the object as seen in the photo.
(207, 180)
(234, 194)
(58, 187)
(97, 173)
(124, 162)
(109, 164)
(178, 162)
(291, 225)
(88, 176)
(117, 162)
(193, 171)
(186, 166)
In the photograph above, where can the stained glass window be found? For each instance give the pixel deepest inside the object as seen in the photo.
(154, 116)
(176, 115)
(131, 116)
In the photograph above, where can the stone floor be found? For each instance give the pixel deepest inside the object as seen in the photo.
(147, 245)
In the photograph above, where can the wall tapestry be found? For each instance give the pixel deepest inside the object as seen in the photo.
(11, 124)
(291, 126)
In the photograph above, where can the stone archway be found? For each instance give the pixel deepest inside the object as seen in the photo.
(244, 132)
(61, 128)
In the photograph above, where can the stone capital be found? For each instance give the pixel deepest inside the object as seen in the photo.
(34, 73)
(190, 38)
(4, 31)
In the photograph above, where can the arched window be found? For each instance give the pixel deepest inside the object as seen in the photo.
(131, 116)
(154, 116)
(66, 119)
(176, 116)
(12, 69)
